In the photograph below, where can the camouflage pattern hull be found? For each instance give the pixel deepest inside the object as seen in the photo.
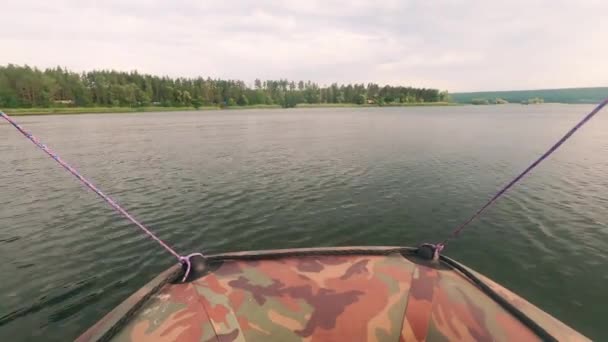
(337, 294)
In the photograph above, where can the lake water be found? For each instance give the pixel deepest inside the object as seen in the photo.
(244, 180)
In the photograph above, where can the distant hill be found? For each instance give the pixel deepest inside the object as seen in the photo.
(569, 95)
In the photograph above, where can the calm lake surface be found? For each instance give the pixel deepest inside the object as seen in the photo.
(259, 179)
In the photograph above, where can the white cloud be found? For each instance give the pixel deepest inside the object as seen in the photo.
(453, 44)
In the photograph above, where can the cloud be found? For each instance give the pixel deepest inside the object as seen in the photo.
(448, 44)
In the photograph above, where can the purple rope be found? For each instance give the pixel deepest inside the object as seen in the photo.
(553, 148)
(184, 260)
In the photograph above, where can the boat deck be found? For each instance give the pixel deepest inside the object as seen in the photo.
(338, 294)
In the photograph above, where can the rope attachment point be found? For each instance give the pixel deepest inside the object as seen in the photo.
(193, 265)
(429, 251)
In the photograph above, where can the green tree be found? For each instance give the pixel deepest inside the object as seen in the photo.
(243, 101)
(360, 99)
(24, 86)
(197, 103)
(186, 98)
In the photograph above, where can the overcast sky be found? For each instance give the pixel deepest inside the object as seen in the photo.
(458, 45)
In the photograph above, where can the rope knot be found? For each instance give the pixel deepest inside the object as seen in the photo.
(187, 264)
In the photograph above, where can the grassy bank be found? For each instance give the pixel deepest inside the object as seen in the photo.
(259, 106)
(331, 105)
(108, 110)
(421, 104)
(353, 105)
(96, 110)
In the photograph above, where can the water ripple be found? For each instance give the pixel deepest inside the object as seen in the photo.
(256, 180)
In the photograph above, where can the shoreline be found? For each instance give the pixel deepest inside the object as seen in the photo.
(152, 109)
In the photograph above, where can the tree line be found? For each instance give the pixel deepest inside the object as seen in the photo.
(568, 95)
(27, 87)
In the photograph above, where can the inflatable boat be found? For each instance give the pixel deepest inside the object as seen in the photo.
(327, 294)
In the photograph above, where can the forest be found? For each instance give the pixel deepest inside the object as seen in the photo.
(565, 95)
(30, 87)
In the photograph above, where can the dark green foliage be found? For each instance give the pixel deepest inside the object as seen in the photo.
(197, 103)
(292, 98)
(572, 95)
(26, 87)
(444, 96)
(360, 99)
(243, 101)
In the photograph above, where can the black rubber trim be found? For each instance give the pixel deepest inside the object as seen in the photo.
(522, 317)
(305, 253)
